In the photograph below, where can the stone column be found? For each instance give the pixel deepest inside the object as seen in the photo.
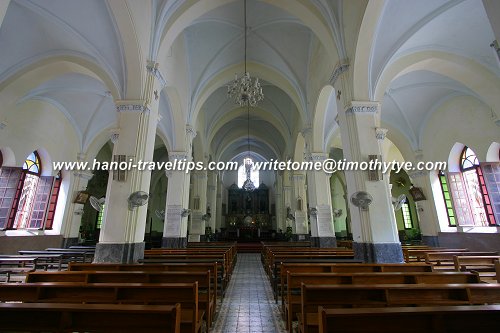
(320, 204)
(122, 235)
(299, 205)
(374, 228)
(212, 199)
(71, 230)
(177, 203)
(288, 201)
(218, 210)
(198, 205)
(426, 210)
(280, 218)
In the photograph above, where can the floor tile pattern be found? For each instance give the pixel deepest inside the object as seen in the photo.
(248, 305)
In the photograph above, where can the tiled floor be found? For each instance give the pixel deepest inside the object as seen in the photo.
(248, 305)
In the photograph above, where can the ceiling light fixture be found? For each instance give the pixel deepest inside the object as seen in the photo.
(245, 90)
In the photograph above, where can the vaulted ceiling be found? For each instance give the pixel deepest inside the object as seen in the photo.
(293, 47)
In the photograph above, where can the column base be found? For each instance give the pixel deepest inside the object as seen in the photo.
(174, 242)
(378, 253)
(323, 242)
(67, 242)
(119, 253)
(431, 240)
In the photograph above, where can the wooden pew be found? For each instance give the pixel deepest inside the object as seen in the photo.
(61, 259)
(223, 269)
(310, 267)
(482, 265)
(88, 253)
(186, 294)
(269, 252)
(206, 294)
(223, 254)
(167, 267)
(99, 318)
(418, 255)
(432, 319)
(445, 260)
(16, 266)
(390, 295)
(278, 259)
(291, 302)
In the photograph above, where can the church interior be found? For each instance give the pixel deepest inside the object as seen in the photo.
(131, 135)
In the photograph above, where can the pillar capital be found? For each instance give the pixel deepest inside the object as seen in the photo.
(190, 132)
(356, 107)
(178, 155)
(129, 105)
(341, 67)
(418, 173)
(152, 68)
(114, 134)
(316, 157)
(85, 175)
(381, 133)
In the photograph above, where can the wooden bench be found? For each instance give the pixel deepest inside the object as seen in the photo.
(445, 260)
(207, 296)
(166, 267)
(280, 259)
(332, 267)
(223, 268)
(390, 295)
(100, 318)
(88, 254)
(291, 302)
(16, 266)
(483, 265)
(224, 254)
(58, 259)
(186, 294)
(458, 319)
(412, 255)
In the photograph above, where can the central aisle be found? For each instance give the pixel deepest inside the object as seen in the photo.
(248, 305)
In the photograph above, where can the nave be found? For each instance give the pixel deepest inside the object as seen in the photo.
(248, 305)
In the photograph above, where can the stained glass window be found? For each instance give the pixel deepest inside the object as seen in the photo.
(468, 159)
(469, 192)
(27, 199)
(32, 164)
(447, 199)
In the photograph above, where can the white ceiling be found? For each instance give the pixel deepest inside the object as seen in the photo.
(34, 30)
(453, 26)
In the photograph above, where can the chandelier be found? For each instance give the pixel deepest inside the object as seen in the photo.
(245, 90)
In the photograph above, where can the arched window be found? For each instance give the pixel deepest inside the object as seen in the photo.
(242, 173)
(469, 193)
(32, 170)
(27, 199)
(476, 188)
(405, 211)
